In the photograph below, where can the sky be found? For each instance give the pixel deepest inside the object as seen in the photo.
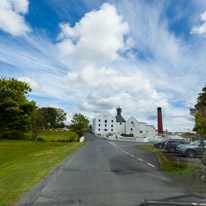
(88, 56)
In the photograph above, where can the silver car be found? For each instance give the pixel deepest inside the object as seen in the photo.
(190, 150)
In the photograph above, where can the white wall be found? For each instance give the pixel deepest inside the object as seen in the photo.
(151, 131)
(94, 126)
(104, 123)
(120, 127)
(142, 129)
(132, 126)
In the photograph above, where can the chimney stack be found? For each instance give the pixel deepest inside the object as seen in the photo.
(159, 121)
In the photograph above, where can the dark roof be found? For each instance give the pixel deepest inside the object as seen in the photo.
(119, 117)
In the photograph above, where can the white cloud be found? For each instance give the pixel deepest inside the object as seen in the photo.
(162, 70)
(34, 84)
(11, 17)
(105, 88)
(139, 87)
(96, 38)
(200, 29)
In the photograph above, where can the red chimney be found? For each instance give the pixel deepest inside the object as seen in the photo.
(159, 120)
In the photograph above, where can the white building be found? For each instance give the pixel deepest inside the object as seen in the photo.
(105, 123)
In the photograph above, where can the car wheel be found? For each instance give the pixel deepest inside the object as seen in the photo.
(191, 153)
(160, 146)
(172, 150)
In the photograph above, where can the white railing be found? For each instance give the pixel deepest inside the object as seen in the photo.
(82, 139)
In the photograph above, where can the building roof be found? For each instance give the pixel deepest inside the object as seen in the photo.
(119, 117)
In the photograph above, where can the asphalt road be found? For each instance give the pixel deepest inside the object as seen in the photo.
(104, 173)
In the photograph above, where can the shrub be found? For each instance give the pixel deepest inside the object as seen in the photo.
(127, 135)
(40, 139)
(13, 134)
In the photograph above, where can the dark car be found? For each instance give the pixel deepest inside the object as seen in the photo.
(171, 144)
(161, 144)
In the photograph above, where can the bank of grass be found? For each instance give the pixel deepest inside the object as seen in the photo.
(57, 136)
(186, 172)
(149, 148)
(25, 163)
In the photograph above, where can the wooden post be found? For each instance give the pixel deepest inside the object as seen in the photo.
(192, 172)
(178, 163)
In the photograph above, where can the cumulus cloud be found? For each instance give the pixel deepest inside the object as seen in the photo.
(34, 85)
(200, 29)
(11, 17)
(105, 88)
(97, 37)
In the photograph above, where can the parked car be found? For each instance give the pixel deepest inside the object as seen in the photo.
(192, 150)
(161, 144)
(171, 144)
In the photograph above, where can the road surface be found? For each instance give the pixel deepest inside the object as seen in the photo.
(104, 172)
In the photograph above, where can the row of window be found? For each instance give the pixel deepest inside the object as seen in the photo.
(112, 130)
(105, 121)
(106, 130)
(105, 125)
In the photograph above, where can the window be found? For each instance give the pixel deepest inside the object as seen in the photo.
(99, 120)
(111, 120)
(98, 129)
(132, 122)
(112, 125)
(131, 129)
(140, 131)
(105, 121)
(105, 125)
(112, 130)
(120, 123)
(105, 129)
(99, 125)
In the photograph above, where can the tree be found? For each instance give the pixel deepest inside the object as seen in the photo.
(50, 115)
(200, 115)
(80, 124)
(200, 126)
(53, 117)
(61, 116)
(38, 123)
(16, 112)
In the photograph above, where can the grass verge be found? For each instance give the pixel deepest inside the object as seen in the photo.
(25, 163)
(57, 136)
(186, 172)
(149, 148)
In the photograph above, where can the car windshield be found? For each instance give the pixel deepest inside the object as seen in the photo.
(95, 98)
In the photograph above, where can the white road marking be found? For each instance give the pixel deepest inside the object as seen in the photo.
(112, 144)
(150, 165)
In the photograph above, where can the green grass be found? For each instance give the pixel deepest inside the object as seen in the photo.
(56, 136)
(149, 148)
(183, 173)
(25, 163)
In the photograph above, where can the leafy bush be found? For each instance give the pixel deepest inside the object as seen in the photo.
(13, 134)
(40, 139)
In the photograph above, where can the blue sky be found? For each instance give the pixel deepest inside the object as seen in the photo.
(92, 56)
